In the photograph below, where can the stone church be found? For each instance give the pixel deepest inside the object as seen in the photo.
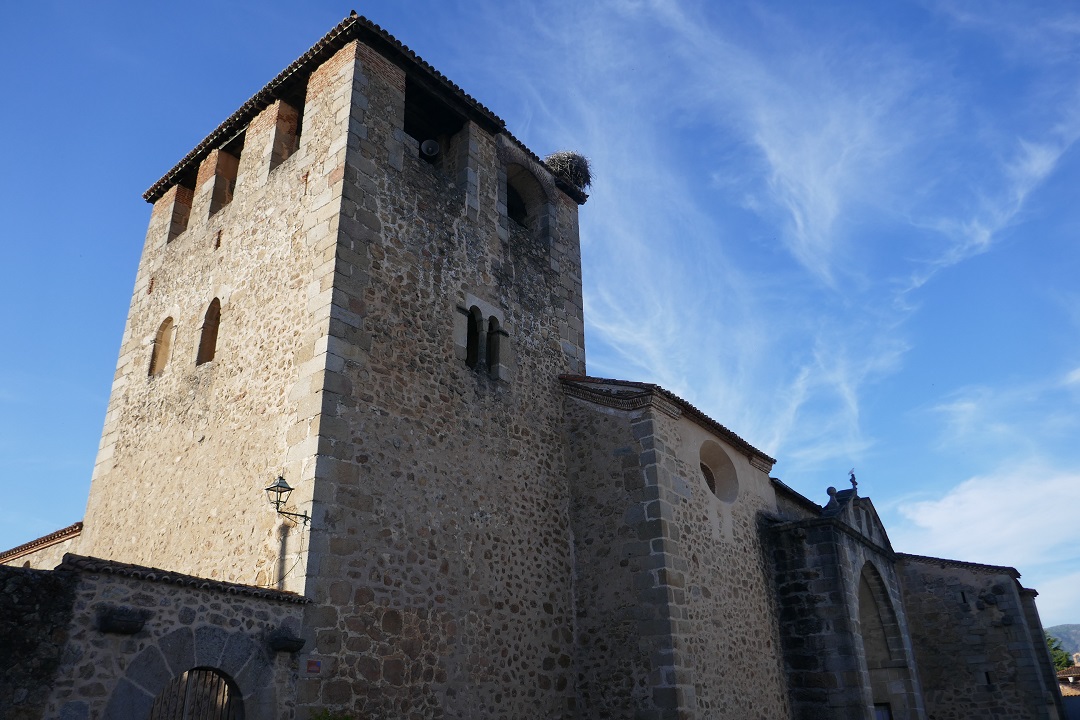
(363, 288)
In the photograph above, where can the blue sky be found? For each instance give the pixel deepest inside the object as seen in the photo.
(845, 230)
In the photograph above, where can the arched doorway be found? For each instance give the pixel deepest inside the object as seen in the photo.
(199, 694)
(883, 649)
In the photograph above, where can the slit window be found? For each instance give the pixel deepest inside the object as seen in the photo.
(208, 339)
(494, 338)
(481, 340)
(472, 343)
(159, 356)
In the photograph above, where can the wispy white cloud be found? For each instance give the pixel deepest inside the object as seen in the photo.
(1013, 517)
(974, 414)
(1011, 164)
(827, 120)
(816, 151)
(825, 426)
(844, 152)
(1044, 34)
(999, 423)
(1021, 516)
(967, 236)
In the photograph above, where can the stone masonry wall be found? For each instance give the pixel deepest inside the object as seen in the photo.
(1037, 638)
(118, 676)
(675, 616)
(731, 634)
(227, 427)
(972, 643)
(440, 551)
(35, 614)
(818, 647)
(613, 662)
(819, 565)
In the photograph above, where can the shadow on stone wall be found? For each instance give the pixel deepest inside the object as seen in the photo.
(35, 615)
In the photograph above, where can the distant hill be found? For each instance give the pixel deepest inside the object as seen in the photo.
(1069, 635)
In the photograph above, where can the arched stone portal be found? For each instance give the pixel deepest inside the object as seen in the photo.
(199, 694)
(883, 650)
(224, 662)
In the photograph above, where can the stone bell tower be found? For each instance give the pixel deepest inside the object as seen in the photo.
(362, 282)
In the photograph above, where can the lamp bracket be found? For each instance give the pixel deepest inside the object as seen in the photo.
(304, 517)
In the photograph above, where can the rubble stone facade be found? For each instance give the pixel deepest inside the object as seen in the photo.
(976, 642)
(99, 639)
(361, 282)
(670, 579)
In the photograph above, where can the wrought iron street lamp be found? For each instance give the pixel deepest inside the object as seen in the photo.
(278, 494)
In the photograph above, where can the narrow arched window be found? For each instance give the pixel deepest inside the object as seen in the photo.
(472, 342)
(493, 339)
(208, 340)
(159, 356)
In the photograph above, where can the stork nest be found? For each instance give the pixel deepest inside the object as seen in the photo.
(571, 168)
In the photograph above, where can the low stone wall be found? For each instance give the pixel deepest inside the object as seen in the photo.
(35, 614)
(99, 639)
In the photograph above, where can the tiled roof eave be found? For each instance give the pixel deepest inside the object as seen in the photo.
(53, 538)
(86, 564)
(351, 28)
(582, 383)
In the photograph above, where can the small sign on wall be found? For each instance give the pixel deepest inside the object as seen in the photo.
(310, 667)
